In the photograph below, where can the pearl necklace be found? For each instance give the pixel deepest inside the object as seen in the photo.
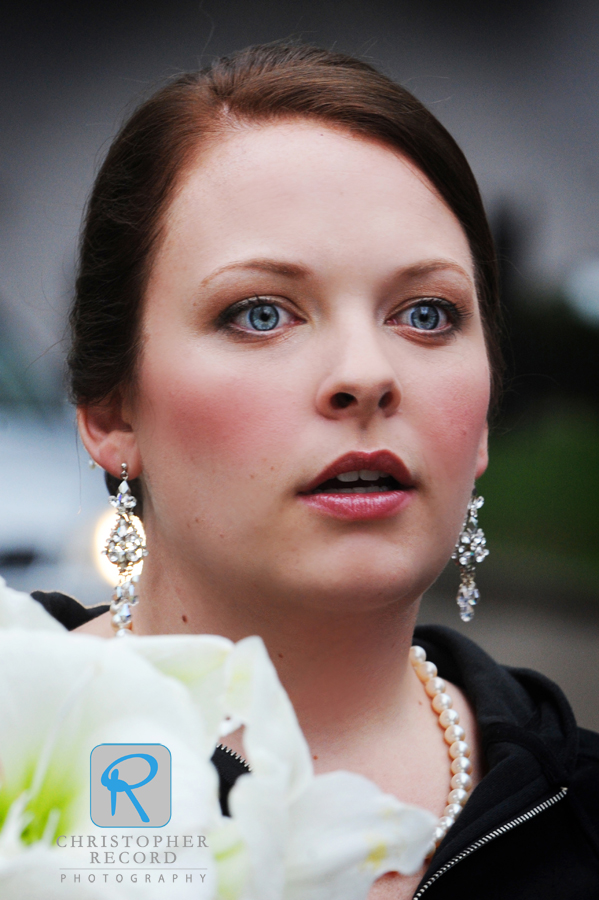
(459, 751)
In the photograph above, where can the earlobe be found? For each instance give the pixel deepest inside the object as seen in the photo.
(482, 459)
(108, 438)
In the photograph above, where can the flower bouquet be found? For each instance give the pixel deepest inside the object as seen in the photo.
(66, 699)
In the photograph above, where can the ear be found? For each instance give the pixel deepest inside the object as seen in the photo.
(108, 436)
(482, 457)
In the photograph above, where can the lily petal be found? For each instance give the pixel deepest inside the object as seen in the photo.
(273, 740)
(62, 695)
(19, 610)
(345, 833)
(35, 874)
(198, 662)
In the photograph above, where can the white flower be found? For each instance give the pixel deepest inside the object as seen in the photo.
(292, 836)
(60, 696)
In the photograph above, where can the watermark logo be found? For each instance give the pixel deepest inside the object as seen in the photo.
(130, 785)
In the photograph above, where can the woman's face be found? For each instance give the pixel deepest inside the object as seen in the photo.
(313, 300)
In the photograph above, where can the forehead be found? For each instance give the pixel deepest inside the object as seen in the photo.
(303, 189)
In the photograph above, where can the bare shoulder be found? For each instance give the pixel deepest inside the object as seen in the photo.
(99, 627)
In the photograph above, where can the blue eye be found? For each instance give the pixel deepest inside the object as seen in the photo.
(264, 317)
(256, 314)
(426, 317)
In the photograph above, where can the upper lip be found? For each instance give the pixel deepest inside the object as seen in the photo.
(377, 461)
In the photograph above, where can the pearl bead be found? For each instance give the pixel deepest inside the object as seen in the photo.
(461, 781)
(459, 748)
(434, 686)
(459, 751)
(417, 655)
(458, 796)
(430, 849)
(452, 810)
(449, 717)
(438, 834)
(425, 670)
(441, 702)
(454, 733)
(461, 764)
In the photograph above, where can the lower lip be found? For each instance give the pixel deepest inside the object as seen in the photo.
(359, 507)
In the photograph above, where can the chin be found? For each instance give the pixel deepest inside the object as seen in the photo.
(363, 587)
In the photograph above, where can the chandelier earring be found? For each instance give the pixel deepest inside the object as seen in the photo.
(124, 548)
(470, 549)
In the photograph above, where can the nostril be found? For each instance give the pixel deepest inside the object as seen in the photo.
(341, 400)
(385, 400)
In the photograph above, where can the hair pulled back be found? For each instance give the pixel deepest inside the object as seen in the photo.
(144, 165)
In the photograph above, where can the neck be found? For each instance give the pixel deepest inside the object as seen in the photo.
(338, 668)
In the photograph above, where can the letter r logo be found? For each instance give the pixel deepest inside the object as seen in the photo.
(130, 785)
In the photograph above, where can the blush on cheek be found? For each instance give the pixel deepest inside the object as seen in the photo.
(456, 423)
(220, 419)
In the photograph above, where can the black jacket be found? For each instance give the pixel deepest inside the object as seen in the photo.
(531, 827)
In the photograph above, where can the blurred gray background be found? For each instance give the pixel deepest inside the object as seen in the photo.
(517, 84)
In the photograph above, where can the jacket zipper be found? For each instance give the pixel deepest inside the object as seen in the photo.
(551, 801)
(234, 755)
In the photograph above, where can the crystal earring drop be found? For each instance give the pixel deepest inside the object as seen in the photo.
(470, 549)
(125, 547)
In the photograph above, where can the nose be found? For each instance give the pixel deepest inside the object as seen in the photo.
(361, 382)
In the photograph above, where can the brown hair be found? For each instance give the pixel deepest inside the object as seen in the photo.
(144, 164)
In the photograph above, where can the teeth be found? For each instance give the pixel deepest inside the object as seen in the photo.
(364, 474)
(367, 475)
(358, 490)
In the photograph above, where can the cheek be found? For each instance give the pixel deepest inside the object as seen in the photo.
(211, 414)
(453, 417)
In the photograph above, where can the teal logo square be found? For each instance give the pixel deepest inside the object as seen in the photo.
(130, 785)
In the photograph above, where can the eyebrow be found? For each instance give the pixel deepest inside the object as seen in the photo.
(297, 271)
(272, 266)
(431, 267)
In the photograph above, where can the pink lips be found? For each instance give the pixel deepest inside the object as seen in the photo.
(376, 505)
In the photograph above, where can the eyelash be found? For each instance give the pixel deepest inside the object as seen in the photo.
(456, 316)
(226, 318)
